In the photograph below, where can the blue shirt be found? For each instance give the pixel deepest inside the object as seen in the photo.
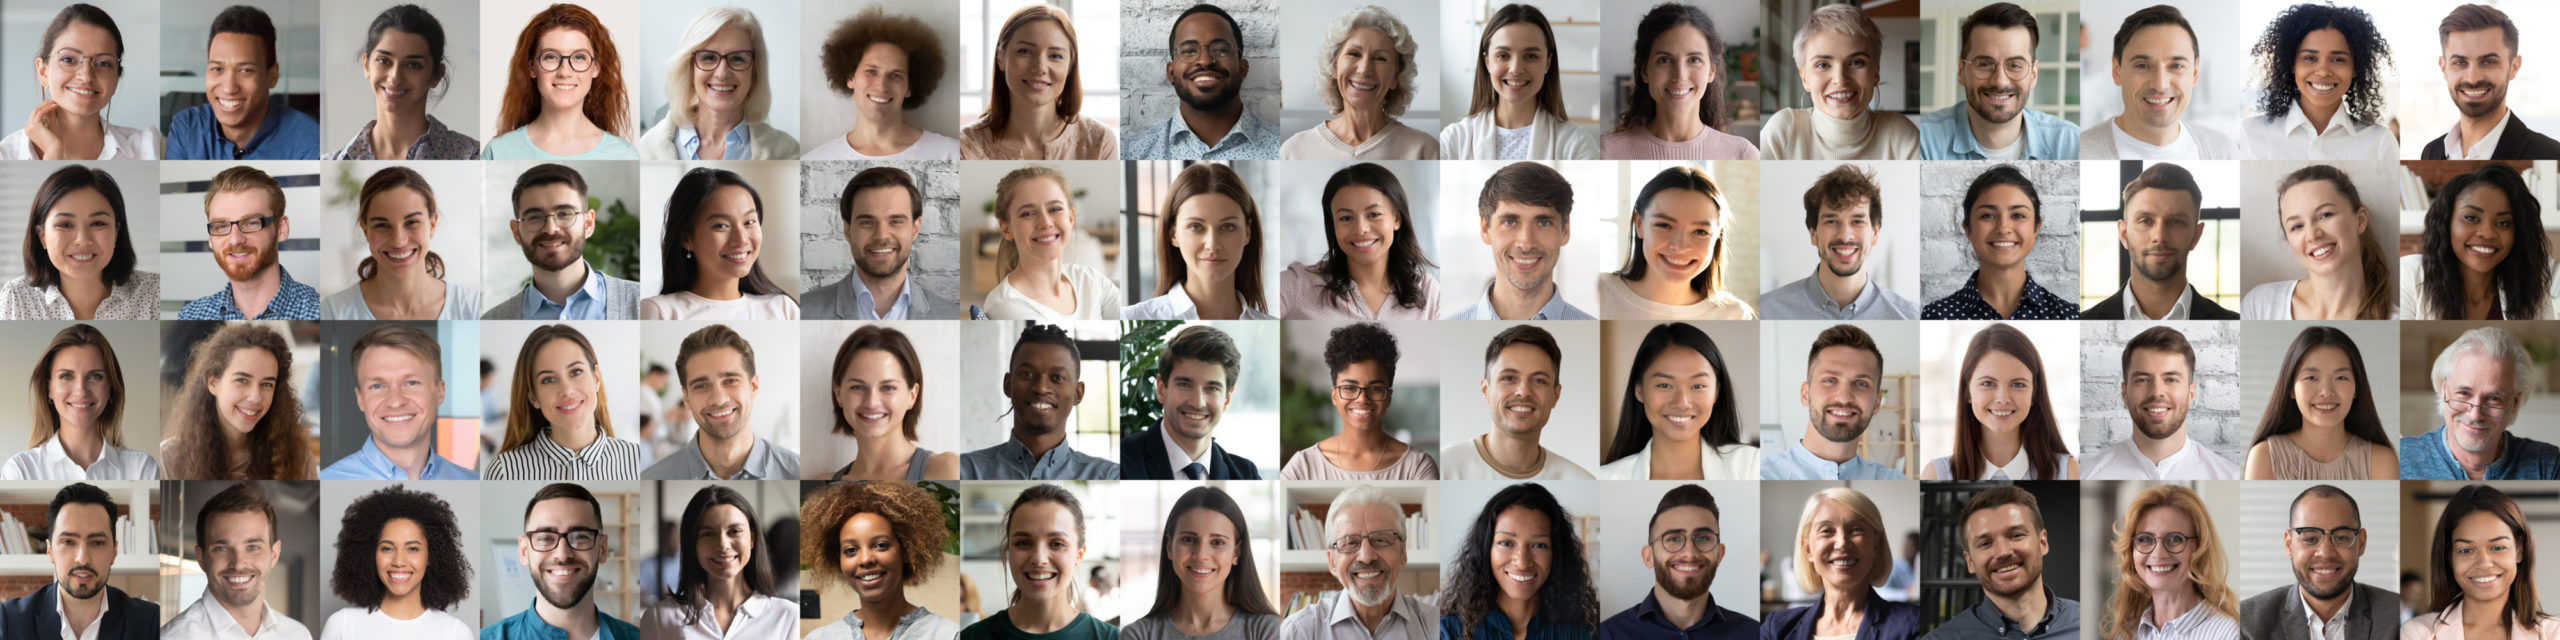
(850, 299)
(1797, 463)
(587, 303)
(2423, 457)
(285, 134)
(369, 463)
(2034, 303)
(1497, 626)
(1646, 622)
(1010, 460)
(529, 626)
(1805, 300)
(1984, 621)
(1556, 309)
(294, 301)
(1947, 134)
(1171, 139)
(733, 145)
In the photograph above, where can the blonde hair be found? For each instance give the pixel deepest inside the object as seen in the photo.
(1007, 255)
(2209, 568)
(1879, 569)
(705, 26)
(1844, 19)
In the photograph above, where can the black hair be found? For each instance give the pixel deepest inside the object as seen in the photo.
(64, 182)
(2326, 491)
(411, 19)
(1211, 9)
(1048, 334)
(2007, 174)
(1657, 21)
(1405, 259)
(354, 577)
(2523, 278)
(1996, 16)
(1205, 344)
(1469, 592)
(690, 577)
(82, 13)
(248, 21)
(1635, 432)
(2283, 416)
(692, 190)
(79, 493)
(1363, 342)
(1687, 495)
(2282, 41)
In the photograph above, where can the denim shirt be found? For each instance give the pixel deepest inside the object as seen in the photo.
(1947, 134)
(369, 463)
(529, 626)
(285, 134)
(2423, 457)
(587, 303)
(1172, 139)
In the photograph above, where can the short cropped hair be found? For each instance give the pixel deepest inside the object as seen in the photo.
(2475, 17)
(2158, 15)
(1687, 495)
(1202, 343)
(1527, 334)
(1997, 15)
(544, 175)
(559, 490)
(718, 336)
(1997, 497)
(881, 178)
(2007, 174)
(1357, 496)
(243, 497)
(1842, 335)
(2160, 175)
(2160, 339)
(248, 21)
(79, 493)
(402, 337)
(1844, 19)
(1840, 186)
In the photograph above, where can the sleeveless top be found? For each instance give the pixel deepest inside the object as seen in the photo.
(915, 466)
(2292, 463)
(2018, 468)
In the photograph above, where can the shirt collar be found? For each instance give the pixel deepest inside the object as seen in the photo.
(758, 465)
(1178, 458)
(861, 304)
(1990, 614)
(1015, 451)
(1815, 295)
(62, 596)
(1346, 611)
(2182, 309)
(1651, 609)
(689, 141)
(221, 621)
(2442, 438)
(2312, 617)
(285, 287)
(267, 127)
(1177, 134)
(2340, 123)
(1827, 468)
(53, 455)
(1554, 309)
(2184, 622)
(379, 464)
(592, 289)
(2488, 143)
(854, 619)
(561, 454)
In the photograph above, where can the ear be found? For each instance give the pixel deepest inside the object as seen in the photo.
(284, 228)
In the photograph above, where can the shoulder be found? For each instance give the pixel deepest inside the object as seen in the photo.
(2267, 603)
(1305, 622)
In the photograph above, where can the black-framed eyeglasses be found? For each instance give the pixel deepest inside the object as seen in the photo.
(544, 220)
(1218, 51)
(579, 539)
(1675, 540)
(707, 60)
(2174, 542)
(1380, 540)
(1353, 392)
(220, 228)
(2493, 406)
(579, 61)
(2340, 537)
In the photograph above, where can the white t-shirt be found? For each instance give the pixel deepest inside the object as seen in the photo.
(353, 623)
(2003, 154)
(684, 305)
(931, 146)
(1460, 462)
(2191, 144)
(122, 143)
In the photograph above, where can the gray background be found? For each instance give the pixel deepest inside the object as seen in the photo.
(2262, 347)
(1572, 427)
(294, 585)
(2213, 417)
(662, 23)
(825, 114)
(346, 98)
(136, 180)
(1946, 258)
(2265, 256)
(1302, 30)
(1619, 547)
(464, 497)
(137, 345)
(1145, 24)
(937, 343)
(933, 266)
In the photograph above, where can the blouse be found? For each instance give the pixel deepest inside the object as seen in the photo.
(684, 305)
(2290, 462)
(438, 143)
(918, 624)
(608, 458)
(460, 303)
(2447, 624)
(1310, 464)
(122, 143)
(2413, 300)
(1083, 139)
(1302, 297)
(2270, 301)
(1621, 302)
(1095, 293)
(138, 299)
(1729, 462)
(1241, 626)
(1000, 627)
(1176, 305)
(763, 617)
(516, 145)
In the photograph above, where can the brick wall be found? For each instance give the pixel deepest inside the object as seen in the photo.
(2214, 419)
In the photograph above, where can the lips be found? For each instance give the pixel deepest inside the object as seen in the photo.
(2156, 411)
(2474, 92)
(82, 257)
(399, 577)
(1527, 260)
(391, 92)
(2001, 95)
(1517, 577)
(879, 99)
(1206, 78)
(1051, 238)
(1039, 578)
(229, 106)
(400, 419)
(2002, 415)
(870, 578)
(2160, 101)
(1193, 415)
(2479, 249)
(1841, 97)
(1680, 93)
(741, 256)
(1675, 263)
(2322, 88)
(1842, 414)
(1365, 245)
(2322, 251)
(81, 91)
(400, 256)
(1361, 88)
(569, 405)
(724, 90)
(1036, 87)
(237, 580)
(1845, 252)
(567, 87)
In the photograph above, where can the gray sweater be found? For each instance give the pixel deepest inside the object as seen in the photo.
(621, 301)
(1244, 626)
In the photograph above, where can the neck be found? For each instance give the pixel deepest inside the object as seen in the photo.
(2154, 298)
(578, 620)
(1519, 611)
(2157, 137)
(1038, 440)
(2328, 608)
(2477, 612)
(403, 284)
(1513, 451)
(562, 121)
(575, 437)
(2479, 288)
(1660, 287)
(1675, 127)
(888, 128)
(82, 612)
(2474, 463)
(1999, 447)
(411, 459)
(1213, 126)
(394, 131)
(2473, 129)
(1824, 448)
(726, 455)
(1036, 617)
(1996, 135)
(248, 129)
(2027, 608)
(82, 445)
(2002, 288)
(2318, 115)
(248, 616)
(1032, 125)
(1371, 274)
(719, 288)
(1841, 289)
(712, 126)
(557, 285)
(2168, 605)
(1205, 611)
(407, 607)
(1042, 276)
(2337, 295)
(1844, 606)
(887, 448)
(1515, 303)
(1676, 459)
(253, 294)
(884, 290)
(236, 441)
(1682, 613)
(1370, 616)
(884, 612)
(1355, 126)
(2160, 449)
(726, 594)
(1213, 299)
(84, 294)
(1514, 115)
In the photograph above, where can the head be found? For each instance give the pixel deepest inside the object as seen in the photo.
(564, 543)
(399, 373)
(1525, 212)
(556, 385)
(882, 211)
(2159, 383)
(1841, 544)
(2328, 228)
(1210, 229)
(715, 233)
(1682, 61)
(1998, 55)
(398, 543)
(1044, 378)
(1844, 374)
(397, 210)
(1679, 228)
(2324, 536)
(718, 368)
(244, 221)
(1677, 388)
(236, 543)
(81, 60)
(1516, 62)
(83, 542)
(2485, 226)
(2003, 538)
(1044, 542)
(1684, 543)
(1361, 360)
(2483, 556)
(878, 385)
(78, 385)
(77, 230)
(656, 378)
(1368, 220)
(2325, 387)
(2322, 56)
(1035, 67)
(2479, 59)
(2166, 543)
(1195, 379)
(723, 542)
(883, 536)
(403, 59)
(1208, 553)
(564, 60)
(1365, 543)
(2482, 381)
(240, 66)
(239, 387)
(886, 64)
(2004, 390)
(1204, 58)
(2157, 61)
(1844, 216)
(721, 70)
(1522, 548)
(1523, 379)
(2163, 220)
(1036, 215)
(550, 218)
(2001, 217)
(1368, 63)
(1837, 54)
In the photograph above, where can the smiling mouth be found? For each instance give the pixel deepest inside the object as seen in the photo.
(870, 579)
(1840, 414)
(1194, 415)
(1365, 245)
(402, 419)
(83, 257)
(2005, 245)
(2322, 252)
(1039, 577)
(872, 416)
(392, 92)
(561, 572)
(2002, 414)
(237, 580)
(721, 414)
(2473, 93)
(2159, 101)
(2324, 407)
(1360, 87)
(2155, 411)
(1681, 93)
(1842, 563)
(1042, 406)
(84, 92)
(566, 87)
(1527, 263)
(402, 255)
(2161, 569)
(399, 577)
(1048, 239)
(1841, 97)
(1676, 264)
(1036, 86)
(249, 413)
(2481, 249)
(570, 406)
(1521, 408)
(1516, 83)
(229, 106)
(1844, 252)
(1518, 577)
(2323, 87)
(1998, 95)
(724, 89)
(879, 99)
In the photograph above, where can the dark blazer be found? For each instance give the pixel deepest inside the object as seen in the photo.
(1884, 621)
(36, 616)
(2203, 308)
(1142, 457)
(2518, 143)
(2277, 615)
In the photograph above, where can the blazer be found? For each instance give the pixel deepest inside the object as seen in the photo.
(1142, 457)
(1884, 621)
(2200, 308)
(2518, 143)
(37, 616)
(2277, 615)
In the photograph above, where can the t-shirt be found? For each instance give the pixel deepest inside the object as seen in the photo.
(352, 623)
(1000, 627)
(684, 305)
(1244, 626)
(931, 146)
(1461, 461)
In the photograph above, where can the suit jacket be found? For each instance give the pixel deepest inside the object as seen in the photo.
(2277, 615)
(1142, 457)
(2202, 308)
(2518, 143)
(37, 616)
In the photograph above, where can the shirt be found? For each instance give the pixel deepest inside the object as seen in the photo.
(1466, 461)
(91, 633)
(733, 144)
(2424, 457)
(1496, 625)
(1172, 139)
(763, 617)
(517, 145)
(2482, 150)
(369, 463)
(2291, 137)
(528, 625)
(851, 299)
(2334, 628)
(587, 303)
(438, 143)
(358, 623)
(930, 146)
(2106, 141)
(52, 462)
(1804, 299)
(138, 299)
(607, 458)
(460, 303)
(1332, 618)
(118, 143)
(686, 305)
(1097, 298)
(206, 619)
(1728, 462)
(918, 624)
(285, 134)
(1011, 460)
(1947, 134)
(1645, 621)
(2199, 623)
(764, 462)
(2124, 461)
(1984, 621)
(1177, 459)
(1083, 139)
(1303, 297)
(1798, 463)
(1176, 304)
(1555, 309)
(1640, 144)
(1000, 627)
(294, 301)
(2034, 303)
(2177, 310)
(1392, 142)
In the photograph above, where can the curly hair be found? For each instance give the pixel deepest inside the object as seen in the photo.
(915, 519)
(1567, 596)
(199, 450)
(2283, 40)
(1364, 342)
(1368, 17)
(608, 104)
(842, 53)
(2522, 279)
(354, 579)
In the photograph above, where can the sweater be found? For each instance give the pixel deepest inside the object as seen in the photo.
(1807, 134)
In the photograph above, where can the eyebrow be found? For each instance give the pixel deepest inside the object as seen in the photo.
(388, 52)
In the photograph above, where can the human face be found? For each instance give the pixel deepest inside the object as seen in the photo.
(2156, 71)
(868, 555)
(2478, 378)
(2323, 568)
(238, 550)
(875, 394)
(2001, 393)
(1683, 574)
(237, 77)
(880, 84)
(82, 542)
(1681, 229)
(2484, 229)
(724, 542)
(78, 388)
(1207, 82)
(2321, 227)
(80, 235)
(2485, 554)
(243, 255)
(1840, 392)
(1043, 387)
(727, 234)
(564, 574)
(244, 389)
(400, 557)
(1211, 233)
(87, 89)
(1520, 390)
(1195, 395)
(564, 88)
(1527, 241)
(720, 392)
(2162, 570)
(1999, 72)
(1523, 552)
(1038, 220)
(2477, 66)
(1842, 547)
(400, 72)
(398, 228)
(1369, 411)
(1036, 63)
(2324, 388)
(1839, 70)
(1846, 234)
(2002, 227)
(565, 384)
(1368, 574)
(1679, 394)
(2323, 69)
(2158, 388)
(1677, 72)
(398, 392)
(1042, 549)
(1204, 549)
(883, 231)
(1364, 224)
(1366, 69)
(547, 246)
(2005, 550)
(1516, 60)
(2160, 227)
(724, 90)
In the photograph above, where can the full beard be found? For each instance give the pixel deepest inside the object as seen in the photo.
(1842, 432)
(1210, 102)
(2482, 109)
(2303, 578)
(2159, 431)
(882, 268)
(95, 586)
(2174, 269)
(576, 593)
(1683, 589)
(577, 250)
(242, 273)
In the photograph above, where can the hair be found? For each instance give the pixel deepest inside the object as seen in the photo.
(1551, 94)
(1844, 335)
(2282, 41)
(1368, 17)
(524, 421)
(2159, 338)
(885, 339)
(110, 416)
(608, 104)
(1567, 597)
(1000, 91)
(1211, 9)
(65, 181)
(2208, 570)
(1709, 282)
(714, 337)
(410, 19)
(241, 497)
(1686, 495)
(1243, 589)
(1997, 16)
(2375, 266)
(1844, 19)
(2158, 15)
(248, 21)
(382, 182)
(689, 588)
(1049, 493)
(1360, 495)
(279, 446)
(841, 55)
(2522, 279)
(1635, 432)
(1008, 255)
(2524, 605)
(544, 175)
(2465, 18)
(1362, 342)
(1525, 335)
(2327, 491)
(1840, 186)
(692, 192)
(246, 178)
(705, 26)
(2282, 417)
(914, 516)
(2163, 176)
(1044, 334)
(1527, 183)
(2039, 437)
(564, 490)
(448, 576)
(402, 337)
(2488, 341)
(1661, 19)
(1997, 497)
(85, 13)
(880, 178)
(79, 493)
(1865, 510)
(1405, 260)
(1205, 344)
(2007, 174)
(1203, 179)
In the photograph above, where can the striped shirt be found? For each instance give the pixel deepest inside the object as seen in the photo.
(542, 459)
(2199, 623)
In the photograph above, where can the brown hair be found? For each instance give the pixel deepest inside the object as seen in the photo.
(2158, 15)
(242, 497)
(2376, 267)
(2039, 437)
(1840, 186)
(1997, 497)
(199, 451)
(402, 337)
(246, 178)
(718, 336)
(2524, 606)
(881, 178)
(69, 180)
(1007, 255)
(915, 520)
(841, 55)
(1844, 335)
(524, 422)
(608, 106)
(381, 183)
(2475, 17)
(2160, 338)
(110, 416)
(2162, 175)
(1528, 183)
(1551, 94)
(1210, 179)
(887, 340)
(1000, 91)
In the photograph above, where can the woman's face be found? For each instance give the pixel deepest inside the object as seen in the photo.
(400, 72)
(1204, 549)
(1042, 549)
(1677, 71)
(2002, 227)
(1523, 551)
(724, 89)
(1365, 70)
(1039, 219)
(1364, 224)
(1678, 394)
(244, 389)
(1211, 233)
(1376, 392)
(724, 541)
(2485, 553)
(1516, 62)
(868, 555)
(1843, 547)
(728, 233)
(2324, 387)
(875, 394)
(1681, 228)
(2323, 69)
(2001, 392)
(85, 89)
(78, 388)
(400, 557)
(879, 84)
(564, 88)
(397, 228)
(2162, 569)
(2484, 229)
(1036, 63)
(565, 384)
(2321, 227)
(1840, 71)
(80, 235)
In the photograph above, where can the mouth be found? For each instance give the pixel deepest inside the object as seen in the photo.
(872, 416)
(560, 573)
(1362, 413)
(2474, 92)
(1361, 87)
(2324, 407)
(1688, 568)
(2011, 570)
(2000, 96)
(1519, 578)
(2161, 568)
(721, 414)
(237, 580)
(882, 252)
(2323, 252)
(571, 405)
(2489, 580)
(879, 100)
(2161, 101)
(2004, 246)
(739, 257)
(1036, 87)
(1048, 239)
(249, 412)
(1842, 564)
(2482, 250)
(1205, 79)
(2002, 415)
(401, 255)
(2324, 572)
(1515, 83)
(400, 419)
(242, 255)
(1367, 245)
(870, 578)
(1841, 97)
(1043, 406)
(567, 87)
(1676, 264)
(2322, 88)
(399, 577)
(1845, 252)
(84, 575)
(1368, 575)
(1039, 578)
(83, 258)
(1679, 93)
(1841, 414)
(1194, 415)
(84, 92)
(229, 106)
(1520, 408)
(2156, 411)
(392, 92)
(725, 90)
(1527, 262)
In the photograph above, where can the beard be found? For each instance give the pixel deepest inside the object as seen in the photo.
(2497, 98)
(95, 586)
(2159, 431)
(883, 267)
(1843, 432)
(1973, 99)
(1678, 588)
(1369, 596)
(2023, 585)
(575, 593)
(1853, 269)
(1209, 102)
(241, 597)
(2163, 273)
(577, 250)
(266, 257)
(2346, 580)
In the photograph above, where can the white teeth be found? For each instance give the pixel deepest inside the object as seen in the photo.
(2475, 93)
(236, 580)
(1203, 572)
(1363, 87)
(1364, 244)
(78, 91)
(562, 571)
(2003, 245)
(1048, 575)
(1682, 92)
(2159, 102)
(722, 413)
(228, 105)
(883, 415)
(2324, 88)
(1516, 576)
(1366, 575)
(724, 88)
(870, 578)
(2482, 250)
(398, 418)
(1360, 412)
(2322, 252)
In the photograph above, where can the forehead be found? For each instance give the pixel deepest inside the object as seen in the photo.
(1520, 35)
(252, 360)
(1368, 38)
(1521, 520)
(1846, 358)
(2475, 369)
(1999, 517)
(1196, 369)
(1833, 43)
(884, 54)
(1682, 37)
(2160, 41)
(1362, 370)
(1685, 517)
(561, 514)
(2000, 42)
(234, 44)
(82, 518)
(1828, 511)
(2476, 43)
(2325, 39)
(1509, 208)
(728, 199)
(1043, 354)
(1996, 362)
(85, 38)
(2156, 200)
(1522, 355)
(1043, 32)
(2164, 519)
(1684, 205)
(1205, 521)
(2325, 357)
(383, 357)
(1209, 205)
(716, 360)
(237, 525)
(1358, 196)
(79, 355)
(402, 529)
(723, 514)
(1366, 517)
(557, 353)
(401, 42)
(1039, 190)
(2001, 195)
(397, 201)
(550, 195)
(1043, 517)
(2480, 525)
(730, 38)
(885, 200)
(244, 203)
(2485, 196)
(564, 39)
(2326, 512)
(2158, 360)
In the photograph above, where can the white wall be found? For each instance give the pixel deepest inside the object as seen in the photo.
(2223, 93)
(662, 24)
(1782, 510)
(501, 340)
(137, 345)
(458, 222)
(2213, 414)
(1787, 252)
(2259, 561)
(500, 22)
(1097, 209)
(1572, 429)
(1467, 263)
(136, 181)
(1302, 34)
(824, 114)
(1294, 218)
(346, 97)
(1947, 255)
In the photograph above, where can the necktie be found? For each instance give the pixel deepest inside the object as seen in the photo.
(1195, 471)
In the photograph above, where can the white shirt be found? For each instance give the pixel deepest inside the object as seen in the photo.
(2334, 628)
(51, 462)
(60, 598)
(207, 620)
(2185, 147)
(2270, 301)
(930, 146)
(1729, 462)
(122, 143)
(2293, 138)
(1176, 304)
(2481, 150)
(353, 623)
(763, 617)
(1175, 456)
(2177, 310)
(1461, 461)
(2002, 154)
(2124, 461)
(684, 305)
(1097, 298)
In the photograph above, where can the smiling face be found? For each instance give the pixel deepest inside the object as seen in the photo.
(565, 385)
(1042, 549)
(237, 77)
(868, 555)
(2002, 227)
(1679, 394)
(82, 542)
(1035, 63)
(874, 393)
(2161, 569)
(1368, 574)
(398, 392)
(2005, 550)
(1195, 396)
(723, 542)
(879, 84)
(727, 234)
(565, 574)
(1677, 71)
(397, 229)
(1523, 552)
(2159, 228)
(1207, 82)
(1681, 229)
(400, 72)
(2323, 69)
(1998, 96)
(2485, 554)
(2001, 392)
(1043, 387)
(564, 88)
(551, 247)
(1683, 574)
(1527, 242)
(80, 235)
(1516, 61)
(1839, 70)
(400, 558)
(2324, 570)
(1520, 389)
(2477, 66)
(238, 549)
(2484, 229)
(1369, 411)
(244, 389)
(1210, 232)
(724, 90)
(883, 231)
(1840, 392)
(1203, 551)
(2321, 227)
(2158, 388)
(720, 392)
(1842, 547)
(1846, 234)
(1365, 69)
(2477, 377)
(2156, 71)
(87, 89)
(2324, 387)
(241, 254)
(1364, 224)
(78, 388)
(1038, 218)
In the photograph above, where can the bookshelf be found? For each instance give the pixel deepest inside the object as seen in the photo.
(1904, 452)
(1422, 554)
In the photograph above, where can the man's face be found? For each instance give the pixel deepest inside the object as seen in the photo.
(655, 380)
(2158, 388)
(398, 392)
(237, 77)
(548, 246)
(1043, 387)
(1520, 387)
(2005, 550)
(238, 550)
(2159, 229)
(244, 254)
(564, 574)
(2156, 71)
(2322, 567)
(1846, 235)
(1207, 66)
(1684, 574)
(1195, 395)
(1368, 574)
(1840, 392)
(2479, 379)
(1527, 241)
(720, 392)
(1999, 72)
(83, 547)
(2477, 66)
(883, 231)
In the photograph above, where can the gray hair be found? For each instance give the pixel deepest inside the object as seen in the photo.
(2495, 343)
(1361, 495)
(1845, 19)
(1373, 17)
(705, 25)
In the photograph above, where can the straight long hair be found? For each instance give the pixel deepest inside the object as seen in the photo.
(1635, 431)
(1000, 89)
(2523, 278)
(2375, 267)
(692, 191)
(690, 577)
(2039, 438)
(38, 260)
(2523, 606)
(111, 410)
(1244, 584)
(2282, 416)
(525, 421)
(1550, 93)
(1210, 179)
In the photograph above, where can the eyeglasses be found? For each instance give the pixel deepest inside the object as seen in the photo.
(704, 60)
(1981, 67)
(219, 228)
(2493, 405)
(1675, 540)
(542, 220)
(580, 61)
(1352, 392)
(1380, 540)
(67, 63)
(2340, 537)
(1190, 53)
(2174, 542)
(579, 539)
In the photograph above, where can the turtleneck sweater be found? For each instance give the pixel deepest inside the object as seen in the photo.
(1810, 134)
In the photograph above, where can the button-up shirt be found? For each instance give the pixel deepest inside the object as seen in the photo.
(208, 620)
(2034, 303)
(64, 615)
(2198, 623)
(2292, 137)
(52, 462)
(607, 458)
(733, 144)
(2482, 150)
(285, 134)
(1805, 300)
(137, 299)
(529, 626)
(1645, 621)
(851, 299)
(1947, 134)
(369, 463)
(1172, 139)
(2177, 310)
(1176, 305)
(586, 303)
(1333, 618)
(2124, 461)
(294, 301)
(1984, 620)
(1011, 460)
(761, 617)
(764, 462)
(1177, 459)
(1798, 463)
(2425, 457)
(2334, 628)
(1555, 308)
